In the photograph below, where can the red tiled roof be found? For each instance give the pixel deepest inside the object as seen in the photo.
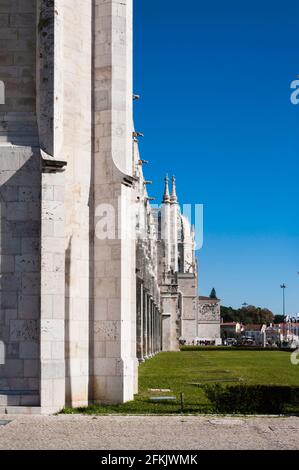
(253, 327)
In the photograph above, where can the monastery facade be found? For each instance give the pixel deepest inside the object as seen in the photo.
(87, 292)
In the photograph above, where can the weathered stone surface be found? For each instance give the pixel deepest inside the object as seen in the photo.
(81, 299)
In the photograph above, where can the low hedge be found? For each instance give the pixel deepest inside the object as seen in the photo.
(231, 348)
(253, 399)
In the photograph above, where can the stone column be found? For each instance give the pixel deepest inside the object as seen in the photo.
(158, 328)
(155, 330)
(52, 294)
(139, 326)
(50, 112)
(153, 327)
(153, 322)
(146, 329)
(157, 320)
(77, 148)
(145, 324)
(115, 361)
(150, 326)
(50, 78)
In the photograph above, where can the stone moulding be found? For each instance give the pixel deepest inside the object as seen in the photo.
(52, 165)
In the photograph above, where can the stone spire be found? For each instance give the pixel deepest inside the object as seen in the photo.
(173, 197)
(166, 197)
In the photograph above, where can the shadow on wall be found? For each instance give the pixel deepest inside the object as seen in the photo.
(20, 267)
(20, 186)
(78, 350)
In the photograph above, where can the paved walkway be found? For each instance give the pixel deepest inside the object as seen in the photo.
(151, 432)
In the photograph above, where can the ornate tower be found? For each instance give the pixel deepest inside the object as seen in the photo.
(174, 222)
(178, 278)
(166, 227)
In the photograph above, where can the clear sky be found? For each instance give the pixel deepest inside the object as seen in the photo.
(214, 78)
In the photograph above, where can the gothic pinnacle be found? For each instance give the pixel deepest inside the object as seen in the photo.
(173, 197)
(166, 197)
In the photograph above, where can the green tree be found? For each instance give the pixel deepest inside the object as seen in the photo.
(213, 294)
(279, 318)
(247, 315)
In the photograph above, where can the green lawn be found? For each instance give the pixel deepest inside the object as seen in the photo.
(177, 371)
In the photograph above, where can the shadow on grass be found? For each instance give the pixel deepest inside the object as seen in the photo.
(270, 385)
(237, 399)
(144, 410)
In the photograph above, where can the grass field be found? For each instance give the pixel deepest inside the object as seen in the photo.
(186, 371)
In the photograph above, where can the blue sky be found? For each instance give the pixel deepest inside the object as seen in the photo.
(214, 79)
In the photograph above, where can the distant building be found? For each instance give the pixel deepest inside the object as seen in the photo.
(288, 333)
(272, 336)
(186, 318)
(230, 329)
(209, 320)
(256, 333)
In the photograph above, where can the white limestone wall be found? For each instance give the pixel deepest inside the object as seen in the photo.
(132, 314)
(189, 330)
(174, 236)
(49, 75)
(18, 72)
(189, 309)
(115, 312)
(189, 319)
(52, 314)
(19, 270)
(209, 319)
(64, 110)
(17, 54)
(52, 272)
(170, 326)
(19, 206)
(186, 247)
(114, 254)
(77, 150)
(165, 237)
(209, 331)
